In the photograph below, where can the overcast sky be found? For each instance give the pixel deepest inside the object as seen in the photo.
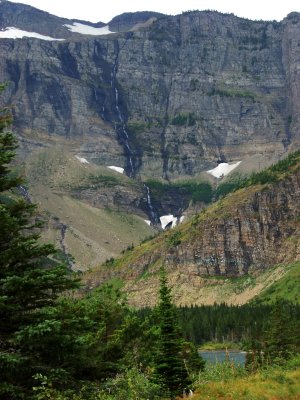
(104, 11)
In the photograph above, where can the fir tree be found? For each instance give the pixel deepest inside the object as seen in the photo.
(29, 279)
(282, 337)
(170, 369)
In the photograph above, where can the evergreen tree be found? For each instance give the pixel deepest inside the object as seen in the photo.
(282, 337)
(170, 369)
(29, 279)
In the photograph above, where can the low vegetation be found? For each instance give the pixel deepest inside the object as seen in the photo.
(233, 92)
(188, 119)
(225, 381)
(270, 175)
(191, 190)
(288, 287)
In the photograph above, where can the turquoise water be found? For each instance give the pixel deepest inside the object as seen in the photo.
(217, 356)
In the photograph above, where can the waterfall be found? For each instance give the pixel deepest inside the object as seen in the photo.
(154, 218)
(120, 127)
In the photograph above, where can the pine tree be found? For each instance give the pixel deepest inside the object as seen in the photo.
(29, 279)
(170, 369)
(282, 337)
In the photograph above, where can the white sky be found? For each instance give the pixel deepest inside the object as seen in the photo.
(104, 11)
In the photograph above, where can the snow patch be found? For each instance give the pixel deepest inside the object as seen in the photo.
(82, 160)
(166, 219)
(223, 169)
(117, 169)
(148, 222)
(88, 30)
(15, 33)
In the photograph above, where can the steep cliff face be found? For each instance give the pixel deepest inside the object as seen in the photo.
(216, 90)
(243, 234)
(291, 58)
(244, 231)
(189, 91)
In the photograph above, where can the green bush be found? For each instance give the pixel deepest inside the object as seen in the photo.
(184, 119)
(133, 385)
(220, 372)
(174, 239)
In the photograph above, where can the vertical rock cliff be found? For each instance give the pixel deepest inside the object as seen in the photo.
(193, 90)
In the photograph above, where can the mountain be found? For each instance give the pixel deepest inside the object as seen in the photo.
(231, 251)
(166, 98)
(26, 18)
(192, 90)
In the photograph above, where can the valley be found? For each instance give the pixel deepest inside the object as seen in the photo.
(149, 205)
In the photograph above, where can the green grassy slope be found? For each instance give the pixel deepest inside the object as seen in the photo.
(78, 196)
(287, 287)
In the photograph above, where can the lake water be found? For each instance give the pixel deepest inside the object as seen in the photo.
(218, 356)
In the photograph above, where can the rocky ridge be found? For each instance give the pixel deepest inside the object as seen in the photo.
(244, 234)
(193, 90)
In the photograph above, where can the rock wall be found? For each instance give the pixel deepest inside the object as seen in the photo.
(193, 89)
(249, 230)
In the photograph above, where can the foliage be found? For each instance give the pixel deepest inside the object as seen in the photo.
(138, 337)
(191, 190)
(221, 325)
(95, 182)
(282, 336)
(233, 92)
(228, 186)
(170, 369)
(254, 355)
(138, 127)
(222, 381)
(188, 119)
(134, 385)
(29, 279)
(220, 346)
(288, 287)
(44, 331)
(272, 174)
(220, 371)
(174, 239)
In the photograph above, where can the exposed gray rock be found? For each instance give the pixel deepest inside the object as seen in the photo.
(193, 89)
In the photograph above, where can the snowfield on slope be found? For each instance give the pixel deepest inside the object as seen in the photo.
(223, 169)
(117, 169)
(88, 30)
(14, 33)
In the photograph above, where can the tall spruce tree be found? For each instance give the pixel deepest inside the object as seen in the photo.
(282, 337)
(29, 279)
(170, 369)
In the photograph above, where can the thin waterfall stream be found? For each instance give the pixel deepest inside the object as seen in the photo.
(154, 217)
(120, 127)
(120, 124)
